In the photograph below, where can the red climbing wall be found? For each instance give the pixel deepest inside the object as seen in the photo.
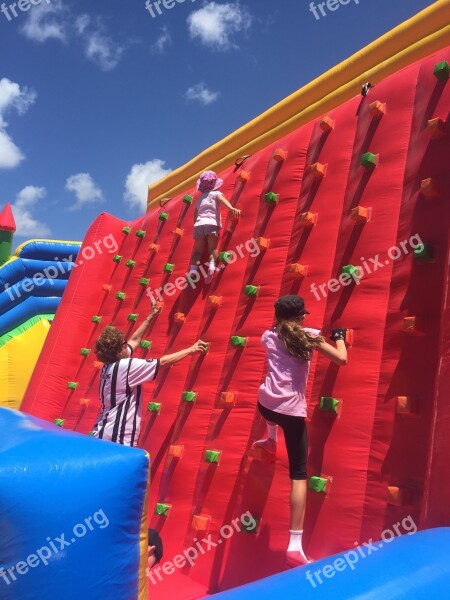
(378, 454)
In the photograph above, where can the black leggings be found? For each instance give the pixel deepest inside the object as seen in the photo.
(296, 438)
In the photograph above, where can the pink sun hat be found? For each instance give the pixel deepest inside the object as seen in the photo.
(208, 181)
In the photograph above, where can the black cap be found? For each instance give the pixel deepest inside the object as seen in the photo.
(154, 539)
(290, 307)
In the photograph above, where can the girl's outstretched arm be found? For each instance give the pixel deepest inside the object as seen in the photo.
(236, 212)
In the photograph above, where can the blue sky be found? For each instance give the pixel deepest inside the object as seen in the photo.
(98, 98)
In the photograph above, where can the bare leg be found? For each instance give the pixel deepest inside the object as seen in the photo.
(213, 241)
(298, 502)
(199, 245)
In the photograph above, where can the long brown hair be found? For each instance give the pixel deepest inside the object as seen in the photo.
(298, 342)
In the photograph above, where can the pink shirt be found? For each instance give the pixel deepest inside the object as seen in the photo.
(208, 210)
(284, 388)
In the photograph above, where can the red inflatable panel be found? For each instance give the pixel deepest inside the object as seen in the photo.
(364, 194)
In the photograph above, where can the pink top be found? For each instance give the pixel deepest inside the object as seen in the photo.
(208, 210)
(284, 388)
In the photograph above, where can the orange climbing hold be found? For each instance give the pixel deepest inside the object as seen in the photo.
(228, 398)
(280, 155)
(327, 124)
(399, 496)
(413, 326)
(318, 170)
(308, 219)
(298, 270)
(263, 243)
(154, 248)
(377, 109)
(201, 522)
(178, 232)
(360, 214)
(179, 317)
(214, 300)
(406, 405)
(84, 401)
(97, 364)
(106, 287)
(175, 450)
(430, 188)
(436, 127)
(244, 176)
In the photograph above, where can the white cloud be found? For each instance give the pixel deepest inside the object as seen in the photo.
(201, 93)
(139, 178)
(12, 97)
(164, 40)
(51, 19)
(85, 190)
(22, 209)
(98, 47)
(215, 24)
(46, 21)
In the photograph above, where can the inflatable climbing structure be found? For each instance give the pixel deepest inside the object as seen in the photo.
(344, 200)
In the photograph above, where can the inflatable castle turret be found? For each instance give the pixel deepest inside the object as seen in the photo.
(7, 229)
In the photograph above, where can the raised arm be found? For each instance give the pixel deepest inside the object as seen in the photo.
(171, 359)
(137, 336)
(236, 212)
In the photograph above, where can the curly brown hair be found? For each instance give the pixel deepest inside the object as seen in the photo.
(298, 342)
(109, 344)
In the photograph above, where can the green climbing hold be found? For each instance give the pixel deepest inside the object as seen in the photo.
(224, 257)
(369, 160)
(162, 509)
(145, 344)
(144, 281)
(212, 456)
(329, 404)
(72, 385)
(238, 341)
(130, 263)
(96, 319)
(271, 198)
(168, 268)
(251, 290)
(126, 230)
(163, 216)
(424, 253)
(85, 351)
(120, 295)
(132, 317)
(187, 199)
(317, 484)
(189, 396)
(442, 71)
(140, 233)
(154, 407)
(351, 270)
(117, 258)
(59, 422)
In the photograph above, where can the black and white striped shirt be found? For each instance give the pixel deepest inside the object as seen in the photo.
(121, 398)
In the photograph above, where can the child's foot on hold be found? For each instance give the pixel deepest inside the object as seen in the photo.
(296, 558)
(268, 445)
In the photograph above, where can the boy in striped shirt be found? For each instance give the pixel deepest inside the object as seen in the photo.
(121, 381)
